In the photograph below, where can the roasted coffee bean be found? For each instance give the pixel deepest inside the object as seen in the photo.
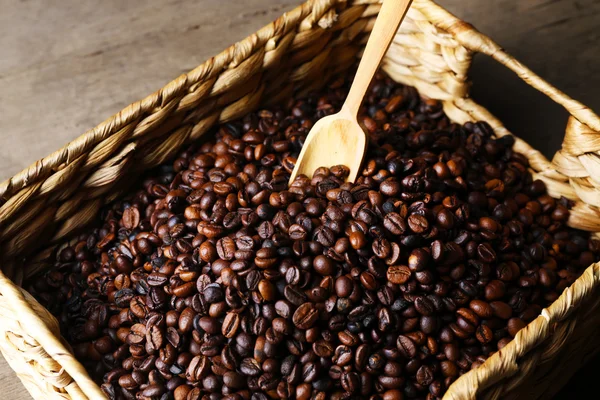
(350, 381)
(495, 290)
(484, 334)
(406, 347)
(343, 286)
(197, 368)
(418, 223)
(481, 308)
(486, 253)
(323, 265)
(214, 279)
(358, 240)
(424, 306)
(398, 274)
(394, 223)
(418, 260)
(186, 320)
(305, 316)
(230, 325)
(501, 309)
(425, 375)
(294, 295)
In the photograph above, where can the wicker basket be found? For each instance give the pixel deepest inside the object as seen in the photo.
(45, 204)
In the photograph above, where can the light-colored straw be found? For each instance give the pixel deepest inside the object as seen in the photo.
(56, 197)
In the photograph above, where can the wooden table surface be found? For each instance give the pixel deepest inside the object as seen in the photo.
(66, 65)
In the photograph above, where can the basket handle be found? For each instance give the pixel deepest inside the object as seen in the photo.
(578, 161)
(472, 39)
(579, 156)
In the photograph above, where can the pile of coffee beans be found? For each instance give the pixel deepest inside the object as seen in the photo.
(216, 280)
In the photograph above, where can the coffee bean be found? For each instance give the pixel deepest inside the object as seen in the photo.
(501, 309)
(185, 290)
(343, 286)
(469, 317)
(357, 240)
(437, 250)
(390, 382)
(154, 339)
(486, 253)
(350, 381)
(230, 325)
(381, 248)
(418, 260)
(197, 368)
(481, 308)
(495, 290)
(186, 320)
(394, 223)
(226, 248)
(398, 274)
(294, 296)
(131, 218)
(208, 325)
(212, 293)
(393, 394)
(323, 265)
(154, 390)
(233, 380)
(484, 334)
(425, 375)
(424, 306)
(406, 347)
(305, 316)
(418, 223)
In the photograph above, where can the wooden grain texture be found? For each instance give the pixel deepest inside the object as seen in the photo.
(66, 65)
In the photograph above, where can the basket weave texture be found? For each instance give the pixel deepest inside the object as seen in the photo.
(47, 203)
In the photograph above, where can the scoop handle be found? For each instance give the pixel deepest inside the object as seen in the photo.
(390, 16)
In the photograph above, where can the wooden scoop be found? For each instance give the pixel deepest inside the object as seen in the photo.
(338, 139)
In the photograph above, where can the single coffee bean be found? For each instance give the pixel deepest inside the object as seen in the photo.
(350, 381)
(398, 274)
(343, 286)
(323, 265)
(406, 347)
(418, 223)
(481, 308)
(305, 316)
(424, 306)
(501, 309)
(230, 325)
(495, 290)
(486, 253)
(394, 223)
(418, 260)
(425, 375)
(484, 334)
